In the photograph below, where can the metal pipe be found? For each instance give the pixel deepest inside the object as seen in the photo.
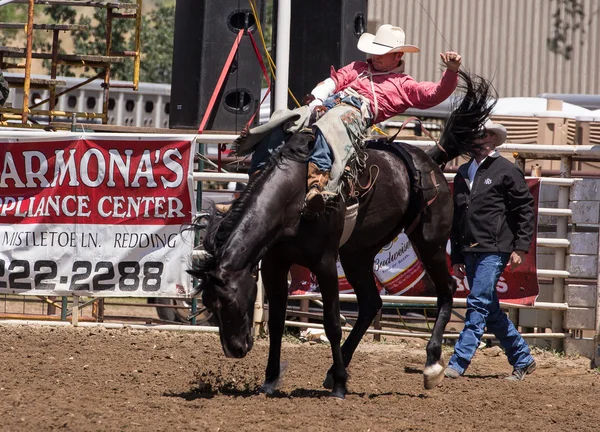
(113, 325)
(75, 87)
(138, 46)
(284, 18)
(553, 242)
(54, 61)
(224, 177)
(57, 113)
(544, 180)
(555, 212)
(425, 335)
(537, 149)
(432, 301)
(28, 56)
(188, 328)
(106, 90)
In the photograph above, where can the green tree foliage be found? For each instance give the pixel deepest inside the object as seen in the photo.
(157, 45)
(12, 13)
(156, 35)
(92, 40)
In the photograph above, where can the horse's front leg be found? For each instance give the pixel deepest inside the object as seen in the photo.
(328, 283)
(359, 272)
(274, 275)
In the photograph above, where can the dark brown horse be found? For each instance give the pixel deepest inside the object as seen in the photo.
(265, 224)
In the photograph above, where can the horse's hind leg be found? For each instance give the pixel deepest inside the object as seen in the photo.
(358, 267)
(274, 274)
(433, 257)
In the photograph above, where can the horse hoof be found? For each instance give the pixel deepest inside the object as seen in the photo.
(338, 394)
(269, 388)
(433, 375)
(328, 383)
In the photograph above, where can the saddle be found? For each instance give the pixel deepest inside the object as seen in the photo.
(419, 183)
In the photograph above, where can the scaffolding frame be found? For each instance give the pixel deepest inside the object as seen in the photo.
(114, 11)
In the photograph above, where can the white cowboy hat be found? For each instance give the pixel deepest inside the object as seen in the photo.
(388, 39)
(497, 129)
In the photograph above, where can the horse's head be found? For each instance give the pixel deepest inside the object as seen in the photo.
(230, 296)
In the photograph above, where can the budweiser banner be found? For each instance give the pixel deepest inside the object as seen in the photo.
(398, 271)
(96, 215)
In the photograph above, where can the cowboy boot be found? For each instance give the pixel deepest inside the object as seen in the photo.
(224, 208)
(317, 180)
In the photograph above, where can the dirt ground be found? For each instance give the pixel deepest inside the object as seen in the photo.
(93, 379)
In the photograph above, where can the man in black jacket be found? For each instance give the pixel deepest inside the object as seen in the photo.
(493, 225)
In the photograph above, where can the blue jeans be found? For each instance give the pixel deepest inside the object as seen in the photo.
(321, 155)
(483, 272)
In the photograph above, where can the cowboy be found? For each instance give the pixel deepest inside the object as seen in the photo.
(493, 225)
(362, 94)
(345, 105)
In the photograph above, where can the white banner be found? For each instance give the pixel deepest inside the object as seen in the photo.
(96, 216)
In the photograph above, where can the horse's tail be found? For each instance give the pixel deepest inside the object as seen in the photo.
(465, 123)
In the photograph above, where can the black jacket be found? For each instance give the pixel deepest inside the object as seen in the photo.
(496, 214)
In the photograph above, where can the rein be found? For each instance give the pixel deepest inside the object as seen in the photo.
(425, 131)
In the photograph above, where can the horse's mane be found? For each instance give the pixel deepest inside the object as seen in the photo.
(465, 123)
(220, 226)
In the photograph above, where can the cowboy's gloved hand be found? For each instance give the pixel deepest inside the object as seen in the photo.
(452, 60)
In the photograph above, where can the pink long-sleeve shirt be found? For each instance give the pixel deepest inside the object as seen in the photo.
(395, 92)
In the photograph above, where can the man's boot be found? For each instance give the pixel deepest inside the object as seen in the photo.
(317, 180)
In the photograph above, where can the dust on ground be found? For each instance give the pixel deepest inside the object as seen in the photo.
(95, 379)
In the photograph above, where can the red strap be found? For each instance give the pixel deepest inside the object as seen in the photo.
(213, 98)
(425, 131)
(265, 73)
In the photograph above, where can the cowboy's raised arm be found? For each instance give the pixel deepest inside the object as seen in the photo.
(423, 95)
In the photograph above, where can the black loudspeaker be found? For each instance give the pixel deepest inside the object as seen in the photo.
(205, 31)
(323, 34)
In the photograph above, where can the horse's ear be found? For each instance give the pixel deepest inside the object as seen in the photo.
(393, 138)
(201, 265)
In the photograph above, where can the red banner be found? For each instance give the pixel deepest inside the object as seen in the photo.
(96, 215)
(398, 271)
(88, 181)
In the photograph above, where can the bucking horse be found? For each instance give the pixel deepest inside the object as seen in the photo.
(406, 191)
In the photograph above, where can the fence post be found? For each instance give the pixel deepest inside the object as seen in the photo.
(259, 305)
(198, 208)
(64, 300)
(75, 311)
(562, 224)
(596, 355)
